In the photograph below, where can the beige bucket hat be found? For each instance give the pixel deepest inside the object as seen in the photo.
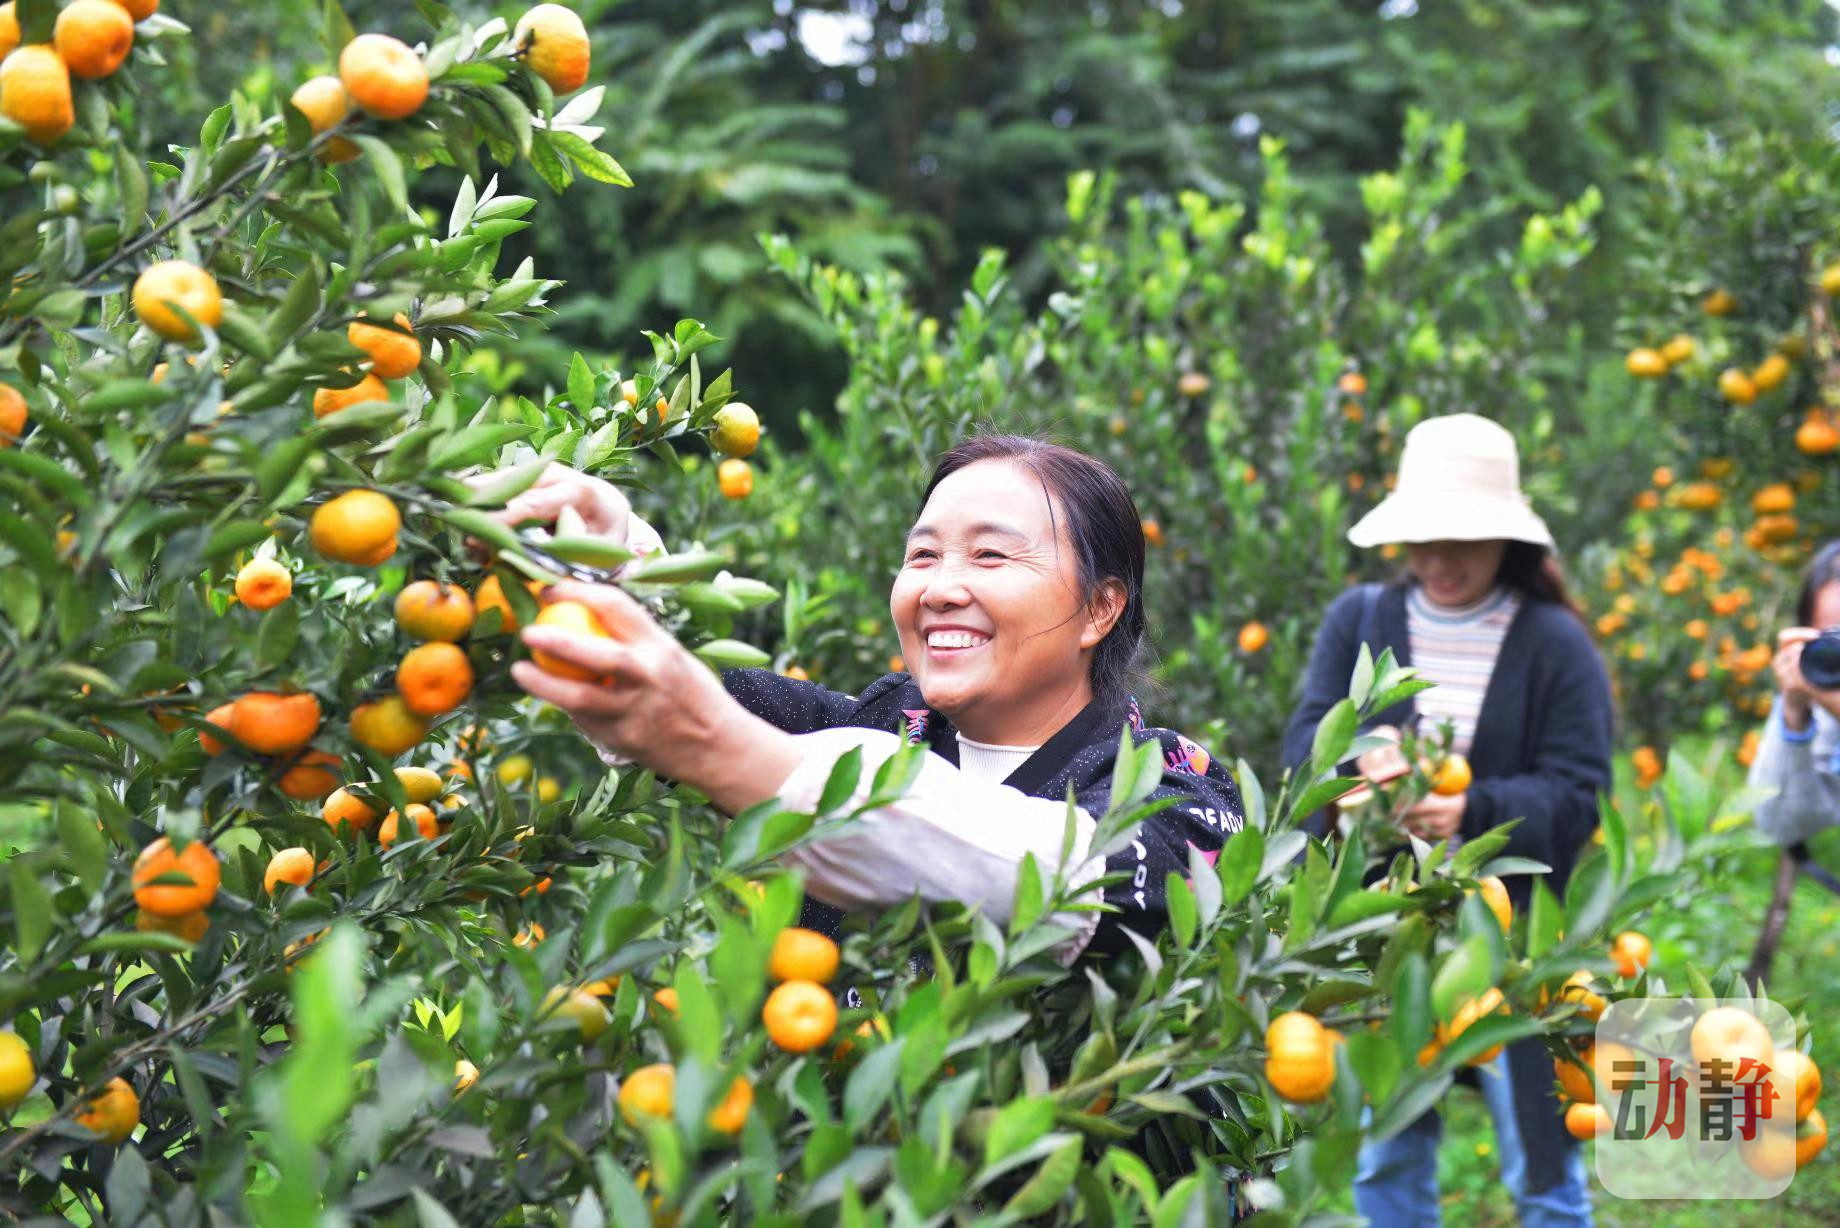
(1459, 480)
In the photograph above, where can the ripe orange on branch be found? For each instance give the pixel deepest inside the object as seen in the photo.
(272, 723)
(94, 37)
(345, 809)
(427, 610)
(394, 354)
(799, 1016)
(426, 825)
(327, 401)
(729, 1116)
(434, 679)
(324, 102)
(568, 616)
(1646, 363)
(419, 784)
(580, 1005)
(262, 584)
(1795, 1076)
(113, 1112)
(357, 527)
(735, 477)
(554, 43)
(649, 1092)
(802, 955)
(224, 717)
(1731, 1034)
(1452, 777)
(1253, 637)
(9, 28)
(17, 1073)
(384, 76)
(1300, 1057)
(1489, 1003)
(737, 430)
(140, 10)
(1631, 952)
(1586, 1121)
(197, 864)
(1495, 895)
(1737, 387)
(35, 92)
(387, 726)
(291, 865)
(312, 776)
(165, 288)
(12, 415)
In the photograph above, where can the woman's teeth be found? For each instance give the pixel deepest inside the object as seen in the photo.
(955, 639)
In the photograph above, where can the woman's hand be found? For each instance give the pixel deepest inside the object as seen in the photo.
(1798, 698)
(1383, 763)
(656, 704)
(603, 511)
(1435, 817)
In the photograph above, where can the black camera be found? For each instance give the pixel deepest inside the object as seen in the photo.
(1821, 660)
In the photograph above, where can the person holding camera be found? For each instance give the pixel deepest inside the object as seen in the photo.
(1798, 757)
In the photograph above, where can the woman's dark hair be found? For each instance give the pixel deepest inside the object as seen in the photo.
(1535, 572)
(1823, 570)
(1102, 523)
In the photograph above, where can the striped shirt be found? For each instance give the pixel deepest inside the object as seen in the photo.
(1456, 647)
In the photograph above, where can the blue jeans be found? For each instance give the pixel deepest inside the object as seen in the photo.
(1395, 1181)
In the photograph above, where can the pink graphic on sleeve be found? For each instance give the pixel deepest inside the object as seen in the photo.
(1188, 757)
(916, 724)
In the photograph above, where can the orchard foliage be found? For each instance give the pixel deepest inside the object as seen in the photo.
(1216, 354)
(450, 993)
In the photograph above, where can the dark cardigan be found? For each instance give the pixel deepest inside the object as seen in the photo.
(1540, 753)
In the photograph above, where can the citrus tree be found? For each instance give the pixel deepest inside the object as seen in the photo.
(1252, 394)
(1732, 352)
(311, 919)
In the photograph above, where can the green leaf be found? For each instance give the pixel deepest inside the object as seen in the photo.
(594, 163)
(871, 1084)
(484, 527)
(581, 384)
(234, 536)
(676, 568)
(1240, 862)
(594, 551)
(46, 472)
(1333, 734)
(84, 850)
(732, 654)
(32, 910)
(1181, 906)
(281, 463)
(127, 394)
(278, 633)
(1465, 973)
(841, 784)
(1545, 920)
(1045, 1189)
(1017, 1124)
(388, 167)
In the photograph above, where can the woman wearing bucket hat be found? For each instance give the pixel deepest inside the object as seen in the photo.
(1483, 613)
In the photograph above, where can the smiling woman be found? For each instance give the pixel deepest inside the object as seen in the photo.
(1019, 607)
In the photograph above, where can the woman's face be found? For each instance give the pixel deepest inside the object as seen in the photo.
(1456, 573)
(988, 606)
(1827, 605)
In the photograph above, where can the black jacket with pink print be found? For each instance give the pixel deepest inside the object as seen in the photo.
(1205, 802)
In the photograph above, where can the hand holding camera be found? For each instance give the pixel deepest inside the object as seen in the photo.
(1807, 666)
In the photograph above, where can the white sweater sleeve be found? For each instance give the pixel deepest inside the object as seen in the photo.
(1807, 793)
(950, 838)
